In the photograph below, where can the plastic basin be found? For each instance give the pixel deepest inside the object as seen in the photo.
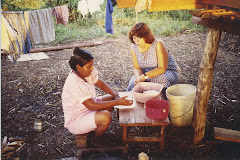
(145, 86)
(157, 108)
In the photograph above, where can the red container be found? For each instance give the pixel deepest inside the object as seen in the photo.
(157, 108)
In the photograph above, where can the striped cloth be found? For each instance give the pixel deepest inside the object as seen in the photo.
(148, 61)
(17, 32)
(9, 41)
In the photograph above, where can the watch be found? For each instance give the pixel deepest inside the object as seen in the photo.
(145, 76)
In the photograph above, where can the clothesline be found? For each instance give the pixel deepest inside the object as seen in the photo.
(12, 11)
(24, 28)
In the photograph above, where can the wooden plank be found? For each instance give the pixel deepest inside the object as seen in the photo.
(222, 24)
(137, 116)
(165, 5)
(87, 150)
(205, 83)
(143, 139)
(216, 13)
(228, 3)
(166, 120)
(145, 124)
(149, 120)
(218, 19)
(126, 115)
(199, 13)
(70, 46)
(126, 3)
(140, 113)
(227, 134)
(226, 13)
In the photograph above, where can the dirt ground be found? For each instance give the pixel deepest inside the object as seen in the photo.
(34, 87)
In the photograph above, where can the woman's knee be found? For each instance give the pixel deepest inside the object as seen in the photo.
(103, 117)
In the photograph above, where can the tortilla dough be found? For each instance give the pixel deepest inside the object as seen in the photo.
(151, 92)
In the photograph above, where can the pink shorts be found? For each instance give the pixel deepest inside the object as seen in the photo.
(84, 124)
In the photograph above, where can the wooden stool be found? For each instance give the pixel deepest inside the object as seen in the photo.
(81, 146)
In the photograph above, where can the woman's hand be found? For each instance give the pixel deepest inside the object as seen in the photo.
(140, 79)
(124, 101)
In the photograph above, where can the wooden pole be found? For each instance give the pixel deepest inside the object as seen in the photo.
(70, 46)
(205, 83)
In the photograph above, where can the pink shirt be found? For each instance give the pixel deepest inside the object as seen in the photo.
(75, 92)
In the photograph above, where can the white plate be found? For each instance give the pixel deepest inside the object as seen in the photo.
(130, 97)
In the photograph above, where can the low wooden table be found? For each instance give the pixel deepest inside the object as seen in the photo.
(137, 117)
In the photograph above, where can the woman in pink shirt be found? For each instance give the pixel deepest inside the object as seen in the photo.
(83, 111)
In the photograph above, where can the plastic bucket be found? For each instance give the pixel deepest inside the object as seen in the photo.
(181, 98)
(157, 108)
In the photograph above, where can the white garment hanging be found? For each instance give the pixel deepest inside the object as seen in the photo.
(83, 7)
(93, 6)
(101, 1)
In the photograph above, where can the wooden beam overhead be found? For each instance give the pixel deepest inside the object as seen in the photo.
(216, 13)
(220, 19)
(226, 3)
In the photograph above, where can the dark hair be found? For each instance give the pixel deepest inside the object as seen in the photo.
(143, 31)
(80, 57)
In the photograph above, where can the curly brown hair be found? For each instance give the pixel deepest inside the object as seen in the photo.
(143, 31)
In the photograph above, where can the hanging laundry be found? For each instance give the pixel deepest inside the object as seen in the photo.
(83, 7)
(40, 25)
(86, 6)
(140, 5)
(61, 14)
(101, 1)
(108, 18)
(16, 21)
(93, 6)
(9, 41)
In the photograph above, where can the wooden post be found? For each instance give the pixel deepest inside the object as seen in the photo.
(205, 83)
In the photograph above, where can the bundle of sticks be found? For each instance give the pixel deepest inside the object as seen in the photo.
(12, 146)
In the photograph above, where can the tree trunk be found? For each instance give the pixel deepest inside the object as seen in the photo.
(205, 83)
